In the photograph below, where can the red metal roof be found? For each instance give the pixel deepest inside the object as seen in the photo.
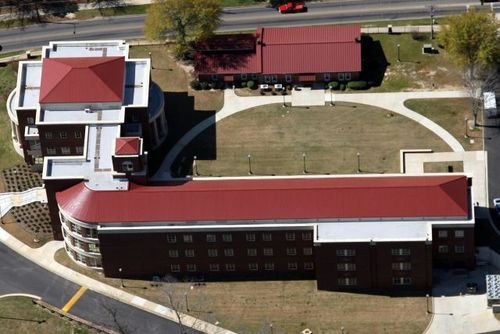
(127, 145)
(306, 50)
(258, 199)
(82, 79)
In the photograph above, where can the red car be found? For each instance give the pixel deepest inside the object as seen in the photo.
(292, 7)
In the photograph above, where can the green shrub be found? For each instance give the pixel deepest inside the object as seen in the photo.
(243, 84)
(195, 84)
(342, 86)
(251, 84)
(220, 85)
(204, 85)
(333, 85)
(357, 85)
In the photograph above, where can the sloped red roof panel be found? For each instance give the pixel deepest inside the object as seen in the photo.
(320, 34)
(82, 79)
(127, 145)
(221, 200)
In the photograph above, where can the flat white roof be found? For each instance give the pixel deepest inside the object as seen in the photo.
(65, 49)
(29, 85)
(81, 116)
(373, 231)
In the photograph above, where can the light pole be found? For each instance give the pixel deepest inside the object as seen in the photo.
(249, 164)
(342, 329)
(151, 60)
(399, 58)
(331, 97)
(359, 162)
(186, 300)
(284, 104)
(427, 301)
(121, 278)
(271, 328)
(304, 170)
(195, 166)
(466, 126)
(432, 22)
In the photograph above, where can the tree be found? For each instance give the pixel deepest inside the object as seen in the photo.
(472, 39)
(102, 4)
(35, 10)
(189, 20)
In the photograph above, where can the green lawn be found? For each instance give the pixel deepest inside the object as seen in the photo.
(291, 306)
(8, 157)
(20, 315)
(414, 71)
(451, 115)
(277, 137)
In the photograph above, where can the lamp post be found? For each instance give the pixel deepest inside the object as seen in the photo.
(427, 301)
(186, 300)
(284, 104)
(432, 21)
(151, 60)
(304, 170)
(331, 97)
(466, 126)
(195, 166)
(271, 328)
(359, 162)
(249, 164)
(399, 58)
(121, 278)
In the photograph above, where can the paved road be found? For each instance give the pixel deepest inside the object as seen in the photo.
(234, 19)
(19, 275)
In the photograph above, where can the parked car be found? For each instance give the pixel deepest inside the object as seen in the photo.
(292, 7)
(496, 203)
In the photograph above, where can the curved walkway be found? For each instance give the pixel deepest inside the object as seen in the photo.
(10, 200)
(390, 101)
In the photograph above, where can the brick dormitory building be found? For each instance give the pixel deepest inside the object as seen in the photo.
(87, 115)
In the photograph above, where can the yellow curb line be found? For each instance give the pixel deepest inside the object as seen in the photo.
(74, 299)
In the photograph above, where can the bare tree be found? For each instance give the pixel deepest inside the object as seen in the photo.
(478, 80)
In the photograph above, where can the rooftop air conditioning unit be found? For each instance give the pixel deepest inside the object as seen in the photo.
(88, 110)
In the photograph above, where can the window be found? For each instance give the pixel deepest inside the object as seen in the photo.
(254, 76)
(347, 76)
(251, 251)
(269, 266)
(230, 267)
(291, 251)
(212, 252)
(267, 79)
(274, 78)
(290, 236)
(65, 150)
(268, 251)
(347, 281)
(250, 236)
(288, 78)
(93, 248)
(30, 120)
(308, 265)
(226, 237)
(214, 77)
(175, 268)
(127, 166)
(346, 266)
(443, 234)
(75, 228)
(211, 238)
(401, 280)
(442, 249)
(267, 236)
(459, 233)
(326, 77)
(459, 249)
(213, 267)
(292, 266)
(346, 252)
(307, 251)
(188, 238)
(189, 252)
(401, 266)
(171, 238)
(341, 76)
(191, 267)
(78, 134)
(79, 150)
(306, 236)
(48, 135)
(243, 76)
(228, 252)
(63, 135)
(400, 251)
(51, 150)
(173, 253)
(253, 266)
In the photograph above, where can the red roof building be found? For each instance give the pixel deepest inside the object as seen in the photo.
(82, 79)
(323, 51)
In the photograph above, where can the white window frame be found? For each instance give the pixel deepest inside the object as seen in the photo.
(214, 77)
(254, 76)
(173, 253)
(267, 79)
(250, 237)
(306, 236)
(267, 236)
(230, 267)
(268, 251)
(228, 252)
(290, 236)
(401, 266)
(175, 268)
(78, 134)
(65, 150)
(251, 251)
(127, 166)
(340, 76)
(191, 267)
(79, 149)
(443, 249)
(345, 252)
(171, 238)
(459, 233)
(243, 76)
(347, 281)
(307, 251)
(291, 251)
(459, 249)
(212, 252)
(187, 238)
(347, 266)
(269, 266)
(48, 135)
(227, 237)
(253, 266)
(308, 265)
(274, 78)
(327, 77)
(63, 135)
(211, 237)
(213, 267)
(288, 78)
(347, 76)
(189, 252)
(51, 150)
(442, 234)
(30, 120)
(292, 266)
(401, 280)
(401, 251)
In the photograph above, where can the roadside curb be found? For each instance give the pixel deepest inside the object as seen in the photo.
(27, 295)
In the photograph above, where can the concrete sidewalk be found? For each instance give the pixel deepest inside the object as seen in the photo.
(44, 256)
(391, 101)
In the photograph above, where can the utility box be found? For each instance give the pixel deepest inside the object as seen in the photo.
(427, 49)
(490, 104)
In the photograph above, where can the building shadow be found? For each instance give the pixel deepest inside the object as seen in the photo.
(374, 62)
(181, 117)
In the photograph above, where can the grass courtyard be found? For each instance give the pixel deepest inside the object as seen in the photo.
(290, 306)
(331, 137)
